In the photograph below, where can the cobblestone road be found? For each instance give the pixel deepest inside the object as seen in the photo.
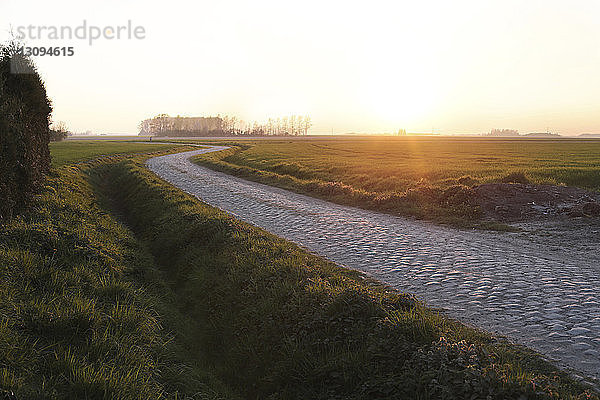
(539, 294)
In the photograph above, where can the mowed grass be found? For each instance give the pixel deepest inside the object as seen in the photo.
(71, 151)
(117, 285)
(428, 177)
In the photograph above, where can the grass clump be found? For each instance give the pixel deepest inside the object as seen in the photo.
(515, 177)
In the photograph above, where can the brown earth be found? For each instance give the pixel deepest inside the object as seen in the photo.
(513, 202)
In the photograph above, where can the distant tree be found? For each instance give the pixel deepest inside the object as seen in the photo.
(163, 124)
(59, 131)
(292, 121)
(233, 121)
(307, 124)
(285, 126)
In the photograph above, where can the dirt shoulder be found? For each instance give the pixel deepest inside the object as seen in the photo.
(515, 202)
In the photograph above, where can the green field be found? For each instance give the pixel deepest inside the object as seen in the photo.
(117, 285)
(70, 151)
(427, 177)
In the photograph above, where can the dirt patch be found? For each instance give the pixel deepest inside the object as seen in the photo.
(511, 202)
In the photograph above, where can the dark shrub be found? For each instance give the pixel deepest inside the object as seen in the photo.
(24, 133)
(57, 136)
(58, 132)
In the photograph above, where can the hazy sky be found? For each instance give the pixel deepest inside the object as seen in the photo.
(369, 66)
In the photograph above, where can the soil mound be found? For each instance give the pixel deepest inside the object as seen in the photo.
(521, 202)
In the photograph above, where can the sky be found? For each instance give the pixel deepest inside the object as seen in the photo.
(449, 67)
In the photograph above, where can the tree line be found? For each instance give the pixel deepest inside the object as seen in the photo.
(165, 125)
(502, 132)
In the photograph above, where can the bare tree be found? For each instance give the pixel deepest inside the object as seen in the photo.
(59, 131)
(307, 124)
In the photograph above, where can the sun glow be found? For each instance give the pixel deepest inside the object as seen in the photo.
(462, 66)
(400, 99)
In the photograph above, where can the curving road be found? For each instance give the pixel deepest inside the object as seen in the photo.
(542, 295)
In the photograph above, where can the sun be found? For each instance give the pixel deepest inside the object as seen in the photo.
(399, 96)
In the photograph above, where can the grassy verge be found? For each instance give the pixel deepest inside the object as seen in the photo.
(84, 312)
(117, 285)
(427, 178)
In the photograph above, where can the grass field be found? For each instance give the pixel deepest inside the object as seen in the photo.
(427, 177)
(69, 152)
(117, 285)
